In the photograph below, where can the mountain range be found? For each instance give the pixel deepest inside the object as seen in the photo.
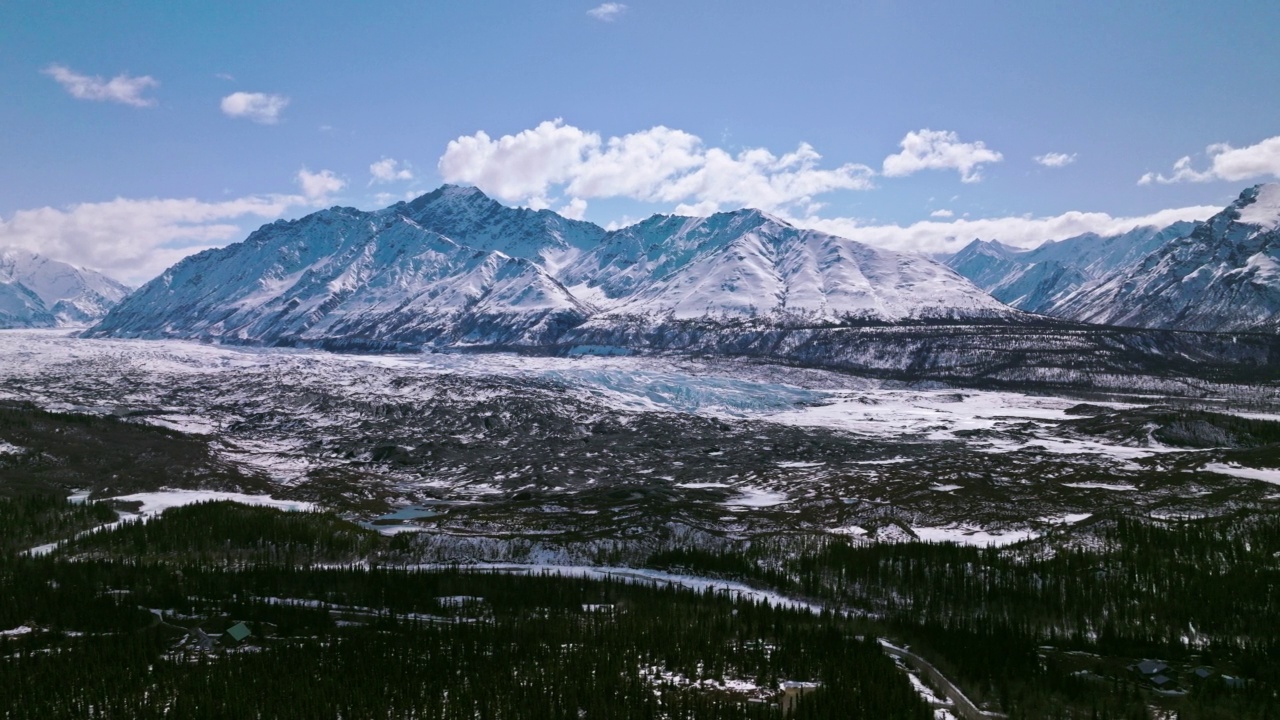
(455, 269)
(1037, 280)
(37, 292)
(1222, 274)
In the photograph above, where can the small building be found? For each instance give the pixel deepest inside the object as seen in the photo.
(200, 638)
(1161, 681)
(1150, 667)
(1203, 673)
(237, 633)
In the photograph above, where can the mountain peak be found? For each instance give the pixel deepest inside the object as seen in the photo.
(36, 291)
(461, 191)
(755, 215)
(452, 195)
(1260, 206)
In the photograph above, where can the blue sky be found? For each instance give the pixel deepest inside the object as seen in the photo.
(134, 133)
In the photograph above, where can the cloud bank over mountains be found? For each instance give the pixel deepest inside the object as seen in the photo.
(133, 240)
(659, 165)
(1225, 163)
(563, 167)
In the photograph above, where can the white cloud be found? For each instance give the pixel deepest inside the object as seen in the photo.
(932, 236)
(1226, 163)
(942, 214)
(387, 170)
(607, 12)
(264, 108)
(517, 167)
(135, 239)
(940, 150)
(655, 165)
(317, 187)
(575, 209)
(1055, 159)
(121, 88)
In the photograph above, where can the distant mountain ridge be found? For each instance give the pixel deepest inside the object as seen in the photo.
(1038, 279)
(1219, 275)
(38, 292)
(455, 268)
(749, 264)
(1224, 275)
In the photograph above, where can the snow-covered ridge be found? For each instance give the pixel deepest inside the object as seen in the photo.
(748, 264)
(455, 268)
(37, 292)
(1222, 274)
(1264, 211)
(1037, 280)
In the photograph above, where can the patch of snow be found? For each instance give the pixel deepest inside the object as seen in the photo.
(1100, 486)
(972, 536)
(20, 630)
(158, 502)
(1264, 474)
(10, 449)
(1264, 211)
(852, 530)
(1068, 519)
(757, 498)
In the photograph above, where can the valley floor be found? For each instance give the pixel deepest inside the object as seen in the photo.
(1066, 539)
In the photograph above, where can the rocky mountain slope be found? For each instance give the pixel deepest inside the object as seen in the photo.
(37, 292)
(1224, 275)
(363, 278)
(456, 268)
(748, 264)
(1038, 279)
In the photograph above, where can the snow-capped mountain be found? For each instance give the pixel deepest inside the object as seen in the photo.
(749, 264)
(453, 267)
(1037, 280)
(346, 277)
(469, 217)
(1223, 275)
(37, 292)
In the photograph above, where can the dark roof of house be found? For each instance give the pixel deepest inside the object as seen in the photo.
(1161, 680)
(1151, 667)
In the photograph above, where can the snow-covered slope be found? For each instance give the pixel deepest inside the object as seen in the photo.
(1037, 280)
(456, 268)
(469, 217)
(346, 277)
(748, 264)
(1223, 275)
(36, 292)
